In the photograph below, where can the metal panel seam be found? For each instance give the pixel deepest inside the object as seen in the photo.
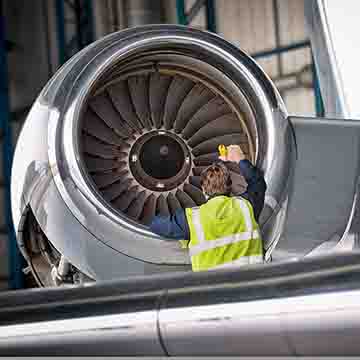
(161, 301)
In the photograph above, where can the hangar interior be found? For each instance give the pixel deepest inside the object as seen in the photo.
(38, 36)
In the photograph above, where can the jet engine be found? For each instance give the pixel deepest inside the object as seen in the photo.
(122, 132)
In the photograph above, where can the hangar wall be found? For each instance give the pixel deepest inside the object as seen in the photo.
(33, 52)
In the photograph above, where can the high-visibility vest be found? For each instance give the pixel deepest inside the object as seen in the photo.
(223, 233)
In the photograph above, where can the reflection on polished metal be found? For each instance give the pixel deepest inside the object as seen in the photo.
(290, 308)
(86, 178)
(82, 194)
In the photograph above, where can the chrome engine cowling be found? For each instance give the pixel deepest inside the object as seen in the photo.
(122, 132)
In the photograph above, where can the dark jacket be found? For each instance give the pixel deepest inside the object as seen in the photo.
(176, 226)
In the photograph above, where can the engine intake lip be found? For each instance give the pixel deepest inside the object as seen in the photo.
(141, 80)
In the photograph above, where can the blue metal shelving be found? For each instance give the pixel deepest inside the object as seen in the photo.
(16, 262)
(76, 31)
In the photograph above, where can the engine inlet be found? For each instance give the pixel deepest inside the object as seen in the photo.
(147, 135)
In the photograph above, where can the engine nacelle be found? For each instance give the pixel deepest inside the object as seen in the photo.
(122, 132)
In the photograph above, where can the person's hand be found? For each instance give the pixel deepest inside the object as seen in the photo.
(234, 154)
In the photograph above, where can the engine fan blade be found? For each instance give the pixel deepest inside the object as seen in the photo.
(149, 210)
(114, 190)
(196, 194)
(96, 164)
(226, 124)
(136, 207)
(185, 200)
(105, 179)
(178, 90)
(173, 203)
(94, 126)
(94, 147)
(210, 111)
(162, 206)
(126, 198)
(139, 91)
(159, 86)
(103, 107)
(120, 96)
(196, 98)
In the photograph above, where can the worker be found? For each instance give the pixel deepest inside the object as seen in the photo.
(223, 232)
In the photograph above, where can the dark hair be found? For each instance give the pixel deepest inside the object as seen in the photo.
(216, 180)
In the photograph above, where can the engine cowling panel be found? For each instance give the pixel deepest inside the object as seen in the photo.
(127, 125)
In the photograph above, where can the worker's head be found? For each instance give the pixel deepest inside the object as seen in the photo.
(216, 180)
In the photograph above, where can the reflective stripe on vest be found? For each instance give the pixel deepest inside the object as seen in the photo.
(201, 249)
(197, 225)
(246, 214)
(212, 244)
